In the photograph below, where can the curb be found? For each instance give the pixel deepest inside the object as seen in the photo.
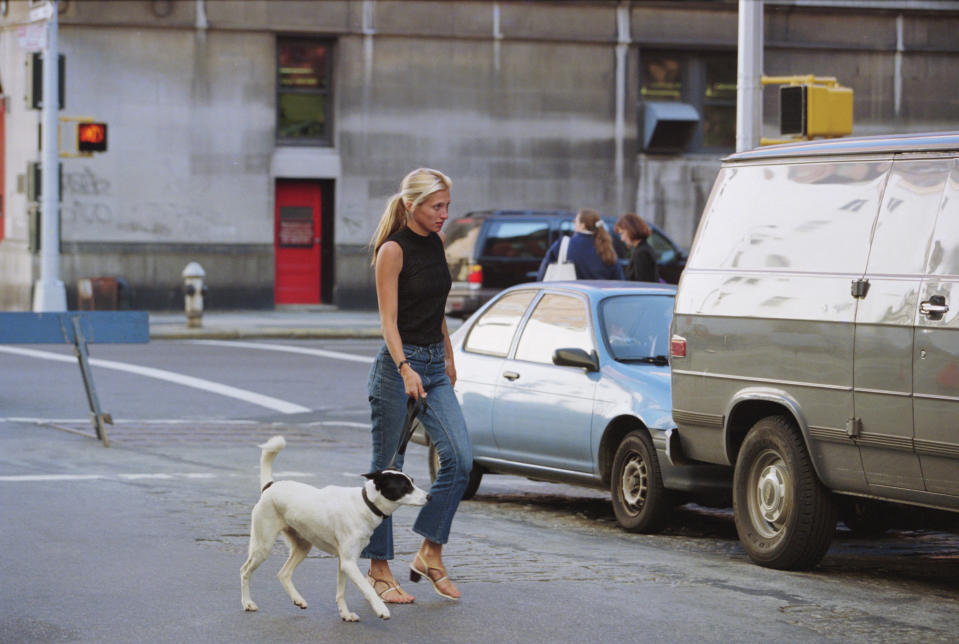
(262, 332)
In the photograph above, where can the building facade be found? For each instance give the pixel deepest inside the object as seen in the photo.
(261, 138)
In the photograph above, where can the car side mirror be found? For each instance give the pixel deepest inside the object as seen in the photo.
(572, 357)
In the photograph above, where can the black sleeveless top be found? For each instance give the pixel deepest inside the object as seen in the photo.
(424, 283)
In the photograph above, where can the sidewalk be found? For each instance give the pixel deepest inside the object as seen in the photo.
(287, 322)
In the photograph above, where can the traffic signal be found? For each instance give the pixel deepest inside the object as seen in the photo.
(34, 89)
(91, 137)
(810, 110)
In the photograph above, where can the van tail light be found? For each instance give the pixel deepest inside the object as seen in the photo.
(677, 347)
(475, 275)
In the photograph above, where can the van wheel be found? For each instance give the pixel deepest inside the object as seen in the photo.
(784, 516)
(640, 502)
(476, 474)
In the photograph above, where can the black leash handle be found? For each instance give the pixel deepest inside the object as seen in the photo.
(414, 407)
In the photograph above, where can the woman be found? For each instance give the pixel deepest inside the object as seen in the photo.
(590, 250)
(412, 282)
(642, 259)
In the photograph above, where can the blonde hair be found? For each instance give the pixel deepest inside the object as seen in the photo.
(416, 186)
(604, 243)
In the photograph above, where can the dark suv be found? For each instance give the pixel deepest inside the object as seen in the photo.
(489, 250)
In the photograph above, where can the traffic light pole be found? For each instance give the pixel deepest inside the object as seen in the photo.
(748, 81)
(49, 293)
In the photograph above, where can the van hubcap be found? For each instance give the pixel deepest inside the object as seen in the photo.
(769, 501)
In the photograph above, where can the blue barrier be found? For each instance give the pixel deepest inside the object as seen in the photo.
(78, 328)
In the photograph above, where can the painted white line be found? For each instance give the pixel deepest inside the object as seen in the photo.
(336, 355)
(245, 395)
(137, 476)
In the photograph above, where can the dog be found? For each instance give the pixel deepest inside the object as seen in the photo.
(337, 520)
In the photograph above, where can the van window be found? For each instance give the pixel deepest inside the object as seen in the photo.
(909, 208)
(493, 332)
(526, 239)
(944, 251)
(461, 237)
(813, 217)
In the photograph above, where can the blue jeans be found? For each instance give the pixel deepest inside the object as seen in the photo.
(443, 421)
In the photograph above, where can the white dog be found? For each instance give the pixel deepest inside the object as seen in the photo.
(338, 520)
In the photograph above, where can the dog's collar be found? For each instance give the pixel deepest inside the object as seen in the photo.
(375, 510)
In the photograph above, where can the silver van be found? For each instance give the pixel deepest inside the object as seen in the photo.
(815, 339)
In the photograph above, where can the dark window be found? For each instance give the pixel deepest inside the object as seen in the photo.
(517, 239)
(303, 70)
(704, 80)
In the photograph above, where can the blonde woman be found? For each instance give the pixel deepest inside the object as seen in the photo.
(412, 282)
(590, 250)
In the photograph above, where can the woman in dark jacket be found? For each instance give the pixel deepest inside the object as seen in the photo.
(642, 258)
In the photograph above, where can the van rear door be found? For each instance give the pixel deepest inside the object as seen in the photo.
(936, 356)
(885, 321)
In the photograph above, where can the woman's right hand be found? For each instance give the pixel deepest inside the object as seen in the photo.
(412, 382)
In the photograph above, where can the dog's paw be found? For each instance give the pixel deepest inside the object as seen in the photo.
(349, 617)
(301, 603)
(384, 615)
(250, 606)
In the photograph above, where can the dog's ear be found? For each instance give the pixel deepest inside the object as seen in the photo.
(371, 475)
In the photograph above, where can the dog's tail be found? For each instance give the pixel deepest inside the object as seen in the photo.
(268, 452)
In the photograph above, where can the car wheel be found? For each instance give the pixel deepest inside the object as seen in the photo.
(476, 474)
(640, 502)
(784, 516)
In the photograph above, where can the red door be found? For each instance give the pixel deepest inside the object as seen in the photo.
(297, 241)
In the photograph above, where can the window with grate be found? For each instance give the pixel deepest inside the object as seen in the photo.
(303, 91)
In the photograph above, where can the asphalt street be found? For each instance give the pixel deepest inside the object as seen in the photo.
(142, 541)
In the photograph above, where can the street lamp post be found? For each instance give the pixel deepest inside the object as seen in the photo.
(49, 293)
(750, 70)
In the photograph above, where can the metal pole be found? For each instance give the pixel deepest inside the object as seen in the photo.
(748, 80)
(49, 293)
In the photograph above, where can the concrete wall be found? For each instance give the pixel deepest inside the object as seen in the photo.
(517, 101)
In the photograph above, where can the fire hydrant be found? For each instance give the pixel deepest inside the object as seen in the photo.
(194, 289)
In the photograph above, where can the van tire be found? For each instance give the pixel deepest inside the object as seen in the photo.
(640, 502)
(476, 474)
(785, 517)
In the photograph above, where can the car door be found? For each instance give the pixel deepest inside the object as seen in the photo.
(885, 322)
(543, 412)
(479, 365)
(936, 357)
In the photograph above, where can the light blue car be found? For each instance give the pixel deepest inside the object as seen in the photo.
(569, 382)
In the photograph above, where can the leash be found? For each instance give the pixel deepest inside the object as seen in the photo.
(414, 407)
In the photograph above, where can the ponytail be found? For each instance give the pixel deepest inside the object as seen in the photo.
(604, 243)
(391, 221)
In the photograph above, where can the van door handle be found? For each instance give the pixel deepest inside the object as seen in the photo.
(510, 375)
(935, 307)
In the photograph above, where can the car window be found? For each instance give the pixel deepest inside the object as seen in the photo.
(636, 326)
(559, 321)
(461, 236)
(665, 252)
(493, 331)
(517, 239)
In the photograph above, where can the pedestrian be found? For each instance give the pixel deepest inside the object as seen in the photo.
(590, 250)
(416, 361)
(642, 258)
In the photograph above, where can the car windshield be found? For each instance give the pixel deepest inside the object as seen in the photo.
(636, 327)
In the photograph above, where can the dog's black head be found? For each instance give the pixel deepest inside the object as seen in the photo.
(396, 486)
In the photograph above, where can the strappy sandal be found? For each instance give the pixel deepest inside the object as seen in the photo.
(394, 588)
(416, 574)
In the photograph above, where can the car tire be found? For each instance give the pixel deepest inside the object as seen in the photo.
(640, 502)
(784, 515)
(476, 474)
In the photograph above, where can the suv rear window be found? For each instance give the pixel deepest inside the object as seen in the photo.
(525, 239)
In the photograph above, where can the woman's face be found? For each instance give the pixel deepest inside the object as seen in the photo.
(623, 235)
(431, 213)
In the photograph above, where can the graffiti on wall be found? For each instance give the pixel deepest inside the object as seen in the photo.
(92, 211)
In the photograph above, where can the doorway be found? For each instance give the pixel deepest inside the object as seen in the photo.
(303, 241)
